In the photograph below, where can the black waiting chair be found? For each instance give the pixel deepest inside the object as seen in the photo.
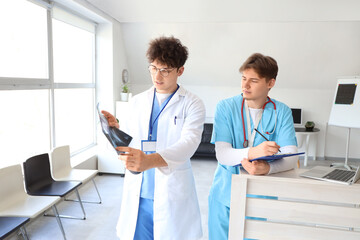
(39, 182)
(9, 225)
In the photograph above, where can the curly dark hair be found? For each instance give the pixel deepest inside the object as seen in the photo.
(168, 51)
(265, 66)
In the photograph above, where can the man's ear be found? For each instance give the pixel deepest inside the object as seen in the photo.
(180, 71)
(271, 83)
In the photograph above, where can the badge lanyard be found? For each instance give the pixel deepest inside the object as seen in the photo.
(151, 124)
(248, 125)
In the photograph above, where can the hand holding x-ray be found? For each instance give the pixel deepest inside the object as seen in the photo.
(111, 119)
(116, 137)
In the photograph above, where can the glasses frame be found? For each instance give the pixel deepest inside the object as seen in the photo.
(163, 71)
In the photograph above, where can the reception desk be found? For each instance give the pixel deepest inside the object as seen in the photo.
(286, 206)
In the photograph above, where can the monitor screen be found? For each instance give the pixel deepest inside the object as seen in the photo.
(297, 115)
(345, 94)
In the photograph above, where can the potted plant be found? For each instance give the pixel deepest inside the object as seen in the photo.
(309, 126)
(124, 95)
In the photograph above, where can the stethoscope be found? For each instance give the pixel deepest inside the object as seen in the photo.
(246, 142)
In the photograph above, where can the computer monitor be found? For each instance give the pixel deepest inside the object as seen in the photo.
(297, 116)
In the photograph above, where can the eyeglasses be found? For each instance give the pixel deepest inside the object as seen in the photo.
(163, 71)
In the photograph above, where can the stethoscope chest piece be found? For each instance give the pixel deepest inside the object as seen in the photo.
(246, 143)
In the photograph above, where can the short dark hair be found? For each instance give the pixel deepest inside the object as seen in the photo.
(265, 66)
(168, 51)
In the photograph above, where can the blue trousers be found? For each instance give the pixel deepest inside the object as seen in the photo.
(218, 221)
(145, 221)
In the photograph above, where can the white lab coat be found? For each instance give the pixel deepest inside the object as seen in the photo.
(176, 207)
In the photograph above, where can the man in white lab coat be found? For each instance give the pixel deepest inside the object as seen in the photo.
(166, 124)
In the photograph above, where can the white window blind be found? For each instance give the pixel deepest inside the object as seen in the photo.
(60, 13)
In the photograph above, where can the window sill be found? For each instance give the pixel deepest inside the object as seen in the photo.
(86, 159)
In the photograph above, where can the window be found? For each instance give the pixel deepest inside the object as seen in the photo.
(74, 85)
(74, 117)
(47, 94)
(73, 53)
(23, 42)
(24, 125)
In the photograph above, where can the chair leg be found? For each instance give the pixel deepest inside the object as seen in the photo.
(24, 233)
(100, 200)
(85, 201)
(81, 205)
(72, 217)
(56, 214)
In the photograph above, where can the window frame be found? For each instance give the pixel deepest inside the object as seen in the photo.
(13, 83)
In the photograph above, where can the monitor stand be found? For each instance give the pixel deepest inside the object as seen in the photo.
(345, 165)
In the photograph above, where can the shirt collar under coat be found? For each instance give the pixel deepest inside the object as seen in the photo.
(180, 93)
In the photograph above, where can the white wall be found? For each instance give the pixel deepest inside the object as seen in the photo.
(313, 42)
(311, 55)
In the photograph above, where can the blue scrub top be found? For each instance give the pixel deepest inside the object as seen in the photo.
(148, 181)
(228, 128)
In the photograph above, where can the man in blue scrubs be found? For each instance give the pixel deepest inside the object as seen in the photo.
(237, 142)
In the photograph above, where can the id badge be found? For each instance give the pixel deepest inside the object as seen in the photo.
(148, 146)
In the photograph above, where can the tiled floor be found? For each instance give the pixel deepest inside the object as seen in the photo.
(102, 218)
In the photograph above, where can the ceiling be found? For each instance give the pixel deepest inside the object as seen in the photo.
(167, 11)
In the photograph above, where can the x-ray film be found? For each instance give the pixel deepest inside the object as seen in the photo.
(116, 137)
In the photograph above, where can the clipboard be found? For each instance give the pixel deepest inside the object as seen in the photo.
(274, 157)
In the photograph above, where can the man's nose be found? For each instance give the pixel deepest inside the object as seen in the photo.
(246, 84)
(158, 75)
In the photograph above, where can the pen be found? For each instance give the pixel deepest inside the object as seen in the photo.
(175, 120)
(262, 136)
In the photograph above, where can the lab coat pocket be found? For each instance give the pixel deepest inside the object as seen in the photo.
(174, 130)
(178, 122)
